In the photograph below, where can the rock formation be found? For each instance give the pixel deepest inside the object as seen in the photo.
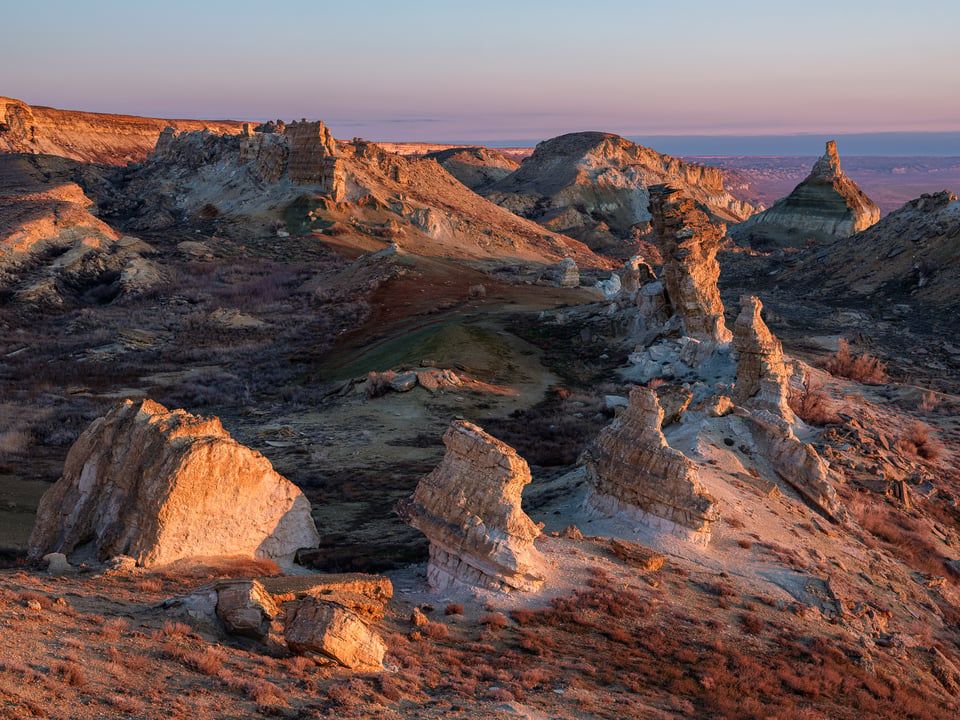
(763, 379)
(795, 461)
(568, 274)
(475, 167)
(87, 136)
(245, 608)
(49, 224)
(469, 508)
(163, 485)
(333, 631)
(826, 205)
(688, 241)
(632, 470)
(595, 187)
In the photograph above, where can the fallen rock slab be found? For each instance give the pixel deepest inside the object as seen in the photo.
(334, 632)
(245, 608)
(637, 555)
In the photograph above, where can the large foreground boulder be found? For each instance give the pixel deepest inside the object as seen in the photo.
(469, 508)
(163, 485)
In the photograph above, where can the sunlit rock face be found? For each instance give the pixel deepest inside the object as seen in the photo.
(826, 205)
(688, 242)
(162, 485)
(469, 508)
(594, 186)
(763, 379)
(633, 471)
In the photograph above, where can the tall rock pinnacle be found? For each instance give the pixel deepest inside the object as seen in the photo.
(827, 205)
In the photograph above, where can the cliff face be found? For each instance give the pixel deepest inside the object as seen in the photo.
(86, 136)
(580, 182)
(826, 205)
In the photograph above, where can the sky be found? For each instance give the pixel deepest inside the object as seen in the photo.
(497, 70)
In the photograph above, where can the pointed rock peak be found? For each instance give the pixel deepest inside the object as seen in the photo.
(828, 166)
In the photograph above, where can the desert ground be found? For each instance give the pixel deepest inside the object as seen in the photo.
(204, 277)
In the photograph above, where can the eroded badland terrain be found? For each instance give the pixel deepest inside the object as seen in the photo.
(301, 427)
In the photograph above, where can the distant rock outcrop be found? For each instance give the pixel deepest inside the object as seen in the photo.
(475, 167)
(568, 274)
(163, 485)
(763, 380)
(688, 241)
(594, 187)
(47, 224)
(469, 508)
(826, 205)
(632, 470)
(87, 136)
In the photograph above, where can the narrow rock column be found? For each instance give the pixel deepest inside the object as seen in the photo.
(688, 241)
(763, 379)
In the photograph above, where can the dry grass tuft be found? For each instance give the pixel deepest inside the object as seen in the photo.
(917, 441)
(862, 368)
(813, 405)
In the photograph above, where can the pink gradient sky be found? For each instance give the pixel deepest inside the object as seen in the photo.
(495, 70)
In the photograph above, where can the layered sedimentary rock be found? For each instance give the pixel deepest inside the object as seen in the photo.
(161, 485)
(795, 461)
(469, 508)
(826, 205)
(595, 187)
(688, 242)
(632, 470)
(313, 159)
(763, 379)
(87, 136)
(333, 631)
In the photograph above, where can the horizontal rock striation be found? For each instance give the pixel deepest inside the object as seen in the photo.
(826, 205)
(86, 136)
(469, 508)
(161, 485)
(633, 470)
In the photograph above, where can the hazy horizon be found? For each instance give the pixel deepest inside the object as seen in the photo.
(446, 72)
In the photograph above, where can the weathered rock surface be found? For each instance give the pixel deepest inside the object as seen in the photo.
(366, 595)
(245, 608)
(763, 379)
(87, 136)
(53, 248)
(633, 470)
(469, 508)
(475, 167)
(826, 205)
(637, 555)
(594, 187)
(333, 631)
(796, 462)
(688, 241)
(163, 485)
(568, 274)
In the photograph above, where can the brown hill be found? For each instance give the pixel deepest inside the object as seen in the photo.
(475, 167)
(91, 137)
